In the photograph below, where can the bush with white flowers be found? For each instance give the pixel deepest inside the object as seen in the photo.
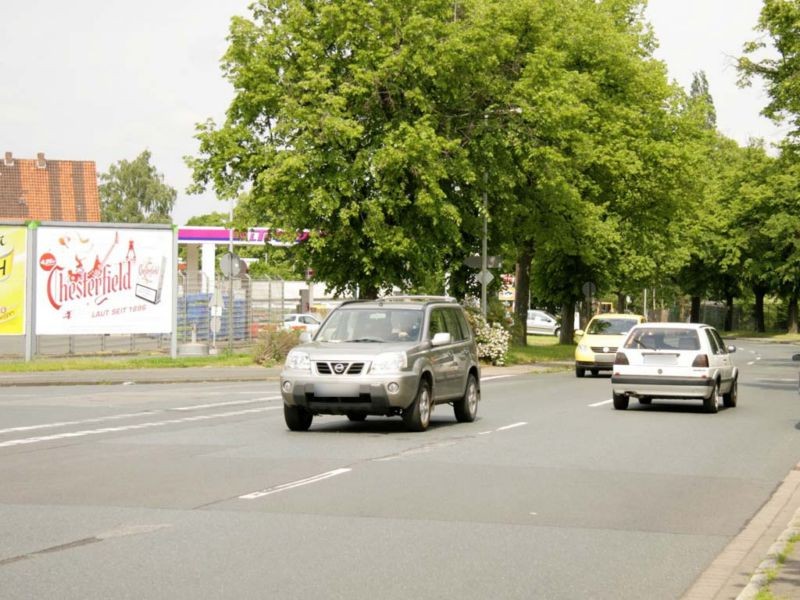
(492, 339)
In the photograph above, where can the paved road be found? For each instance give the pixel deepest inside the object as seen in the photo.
(199, 491)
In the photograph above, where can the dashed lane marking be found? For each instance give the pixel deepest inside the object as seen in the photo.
(137, 426)
(603, 403)
(294, 484)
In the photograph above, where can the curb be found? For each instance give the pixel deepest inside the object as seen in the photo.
(727, 575)
(763, 575)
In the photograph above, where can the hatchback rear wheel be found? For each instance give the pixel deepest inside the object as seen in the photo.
(711, 404)
(620, 401)
(730, 399)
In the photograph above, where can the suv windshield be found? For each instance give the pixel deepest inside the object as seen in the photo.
(610, 326)
(372, 325)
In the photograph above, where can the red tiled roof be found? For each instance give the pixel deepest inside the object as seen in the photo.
(48, 190)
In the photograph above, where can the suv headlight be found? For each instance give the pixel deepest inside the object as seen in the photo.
(299, 361)
(389, 362)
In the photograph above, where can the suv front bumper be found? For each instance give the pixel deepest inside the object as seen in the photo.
(339, 395)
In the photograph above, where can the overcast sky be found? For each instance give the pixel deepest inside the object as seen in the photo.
(103, 80)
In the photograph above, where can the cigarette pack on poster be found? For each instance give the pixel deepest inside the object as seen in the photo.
(151, 279)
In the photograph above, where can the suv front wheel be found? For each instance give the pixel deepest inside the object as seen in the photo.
(297, 418)
(417, 417)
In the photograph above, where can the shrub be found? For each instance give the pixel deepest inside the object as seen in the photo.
(272, 346)
(493, 339)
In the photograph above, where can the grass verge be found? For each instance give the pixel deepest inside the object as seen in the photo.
(113, 362)
(540, 349)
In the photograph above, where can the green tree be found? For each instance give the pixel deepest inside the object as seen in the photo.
(135, 192)
(344, 122)
(780, 21)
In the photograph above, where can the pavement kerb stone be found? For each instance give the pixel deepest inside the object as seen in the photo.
(772, 563)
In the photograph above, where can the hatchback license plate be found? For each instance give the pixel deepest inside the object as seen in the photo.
(661, 359)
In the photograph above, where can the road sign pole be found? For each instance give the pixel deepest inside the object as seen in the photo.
(484, 243)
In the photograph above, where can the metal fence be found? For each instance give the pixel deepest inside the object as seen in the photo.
(246, 306)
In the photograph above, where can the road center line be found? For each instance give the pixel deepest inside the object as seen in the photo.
(133, 415)
(512, 426)
(596, 404)
(294, 484)
(150, 425)
(495, 377)
(218, 404)
(81, 422)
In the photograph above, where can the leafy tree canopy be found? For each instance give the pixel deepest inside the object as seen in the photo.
(134, 192)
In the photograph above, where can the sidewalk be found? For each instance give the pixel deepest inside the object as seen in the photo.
(748, 564)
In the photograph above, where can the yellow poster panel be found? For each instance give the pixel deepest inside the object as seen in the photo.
(13, 257)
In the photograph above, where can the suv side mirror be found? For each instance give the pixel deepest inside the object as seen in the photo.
(305, 337)
(441, 339)
(796, 357)
(733, 349)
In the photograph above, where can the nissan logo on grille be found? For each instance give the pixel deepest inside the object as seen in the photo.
(339, 368)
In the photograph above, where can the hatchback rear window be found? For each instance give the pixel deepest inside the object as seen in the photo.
(646, 338)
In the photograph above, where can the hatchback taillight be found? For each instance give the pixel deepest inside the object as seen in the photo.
(701, 360)
(621, 359)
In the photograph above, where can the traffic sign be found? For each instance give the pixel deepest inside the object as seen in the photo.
(474, 262)
(485, 277)
(230, 264)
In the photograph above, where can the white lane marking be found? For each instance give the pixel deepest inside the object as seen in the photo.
(512, 426)
(150, 425)
(485, 432)
(132, 415)
(758, 358)
(495, 377)
(752, 362)
(596, 404)
(294, 484)
(81, 422)
(218, 404)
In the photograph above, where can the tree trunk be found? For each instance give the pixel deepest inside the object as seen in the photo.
(567, 323)
(793, 313)
(759, 309)
(621, 302)
(367, 291)
(522, 294)
(695, 314)
(729, 313)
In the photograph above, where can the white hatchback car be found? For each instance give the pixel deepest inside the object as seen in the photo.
(675, 360)
(541, 322)
(301, 322)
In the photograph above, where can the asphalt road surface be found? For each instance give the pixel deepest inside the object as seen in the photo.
(199, 491)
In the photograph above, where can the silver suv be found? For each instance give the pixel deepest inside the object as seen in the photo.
(395, 356)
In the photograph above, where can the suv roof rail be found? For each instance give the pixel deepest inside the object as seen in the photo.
(418, 298)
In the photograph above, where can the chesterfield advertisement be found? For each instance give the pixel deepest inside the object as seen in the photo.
(98, 280)
(13, 267)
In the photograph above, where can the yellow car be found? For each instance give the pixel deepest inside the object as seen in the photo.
(597, 346)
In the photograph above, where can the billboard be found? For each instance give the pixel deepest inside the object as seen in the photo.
(13, 276)
(97, 280)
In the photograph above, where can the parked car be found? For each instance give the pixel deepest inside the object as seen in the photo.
(301, 322)
(541, 322)
(395, 356)
(675, 360)
(597, 345)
